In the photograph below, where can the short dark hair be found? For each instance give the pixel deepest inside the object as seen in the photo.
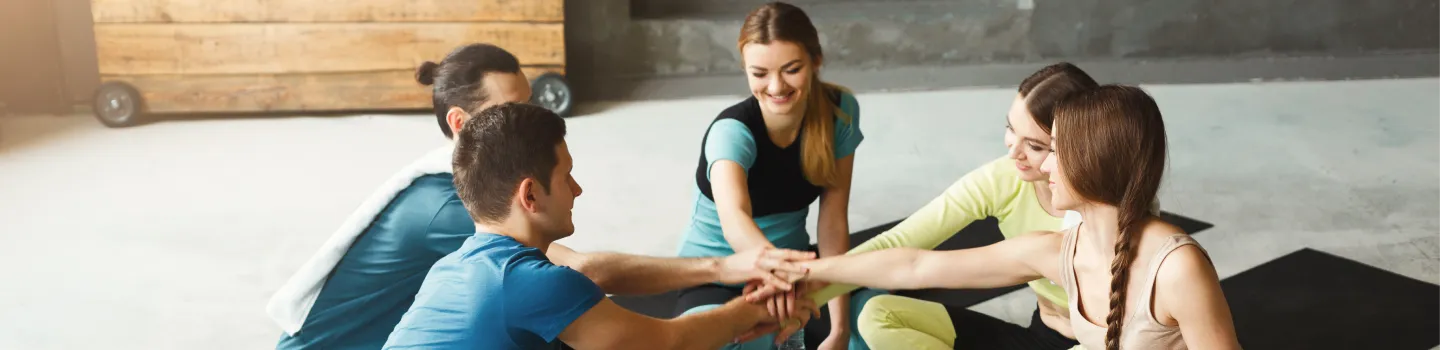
(1050, 85)
(459, 78)
(497, 149)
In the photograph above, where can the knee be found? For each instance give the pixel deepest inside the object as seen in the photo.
(877, 313)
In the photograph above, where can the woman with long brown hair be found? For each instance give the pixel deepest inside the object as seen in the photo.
(1109, 157)
(1010, 188)
(765, 160)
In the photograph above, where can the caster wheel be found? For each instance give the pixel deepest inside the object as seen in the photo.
(117, 104)
(552, 92)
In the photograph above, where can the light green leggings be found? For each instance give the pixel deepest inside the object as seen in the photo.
(896, 322)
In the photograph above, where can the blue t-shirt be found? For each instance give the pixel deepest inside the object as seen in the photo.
(733, 136)
(376, 280)
(494, 293)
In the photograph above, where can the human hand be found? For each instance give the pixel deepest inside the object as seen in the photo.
(775, 267)
(773, 311)
(793, 310)
(759, 321)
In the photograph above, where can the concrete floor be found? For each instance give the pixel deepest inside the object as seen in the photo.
(173, 235)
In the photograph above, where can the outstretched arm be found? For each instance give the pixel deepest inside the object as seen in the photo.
(1010, 262)
(628, 274)
(965, 201)
(609, 326)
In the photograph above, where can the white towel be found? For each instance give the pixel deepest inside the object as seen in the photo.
(291, 304)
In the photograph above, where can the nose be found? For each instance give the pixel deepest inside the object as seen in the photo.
(1048, 165)
(575, 187)
(1015, 152)
(777, 85)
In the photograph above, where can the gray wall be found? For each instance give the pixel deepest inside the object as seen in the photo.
(612, 41)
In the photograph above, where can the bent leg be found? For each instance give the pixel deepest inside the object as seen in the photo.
(975, 330)
(896, 322)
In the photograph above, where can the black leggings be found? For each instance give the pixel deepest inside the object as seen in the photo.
(974, 330)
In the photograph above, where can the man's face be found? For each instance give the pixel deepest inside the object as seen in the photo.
(554, 216)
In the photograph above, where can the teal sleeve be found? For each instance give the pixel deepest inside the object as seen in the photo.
(544, 298)
(729, 139)
(449, 228)
(847, 130)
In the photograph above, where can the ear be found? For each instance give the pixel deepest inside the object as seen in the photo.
(456, 119)
(529, 192)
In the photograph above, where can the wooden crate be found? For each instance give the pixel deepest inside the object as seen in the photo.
(185, 56)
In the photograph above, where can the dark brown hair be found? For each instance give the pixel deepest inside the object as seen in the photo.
(1048, 86)
(1112, 147)
(778, 21)
(497, 149)
(458, 79)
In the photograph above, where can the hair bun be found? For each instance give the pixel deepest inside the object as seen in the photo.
(426, 73)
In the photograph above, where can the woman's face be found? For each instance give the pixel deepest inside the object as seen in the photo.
(779, 75)
(1062, 195)
(1028, 144)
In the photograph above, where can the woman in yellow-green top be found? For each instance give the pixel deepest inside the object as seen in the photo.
(1011, 189)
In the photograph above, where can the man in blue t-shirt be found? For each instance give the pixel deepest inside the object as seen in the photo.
(500, 291)
(361, 298)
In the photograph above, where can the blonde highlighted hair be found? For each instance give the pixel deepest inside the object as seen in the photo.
(778, 21)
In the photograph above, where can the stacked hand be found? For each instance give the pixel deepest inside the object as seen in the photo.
(775, 269)
(770, 275)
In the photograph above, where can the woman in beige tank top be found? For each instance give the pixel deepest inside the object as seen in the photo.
(1107, 160)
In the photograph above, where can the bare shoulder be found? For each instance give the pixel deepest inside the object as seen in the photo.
(1187, 261)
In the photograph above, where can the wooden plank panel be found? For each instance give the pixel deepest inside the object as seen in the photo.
(288, 92)
(296, 11)
(282, 48)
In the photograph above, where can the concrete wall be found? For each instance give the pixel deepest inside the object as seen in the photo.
(612, 40)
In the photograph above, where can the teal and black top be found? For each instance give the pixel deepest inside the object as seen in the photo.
(780, 196)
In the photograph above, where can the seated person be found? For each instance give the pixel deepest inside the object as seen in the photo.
(353, 293)
(500, 291)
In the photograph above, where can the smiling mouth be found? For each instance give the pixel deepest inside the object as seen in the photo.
(781, 98)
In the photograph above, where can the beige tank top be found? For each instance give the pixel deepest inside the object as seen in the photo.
(1141, 330)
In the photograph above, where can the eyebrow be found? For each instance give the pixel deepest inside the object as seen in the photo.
(787, 64)
(1022, 138)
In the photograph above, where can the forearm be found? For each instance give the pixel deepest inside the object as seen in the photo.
(834, 241)
(707, 330)
(741, 232)
(886, 269)
(626, 274)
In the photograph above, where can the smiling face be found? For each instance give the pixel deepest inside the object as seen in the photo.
(779, 74)
(1028, 144)
(556, 206)
(1062, 194)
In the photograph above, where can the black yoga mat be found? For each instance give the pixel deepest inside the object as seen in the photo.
(1314, 300)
